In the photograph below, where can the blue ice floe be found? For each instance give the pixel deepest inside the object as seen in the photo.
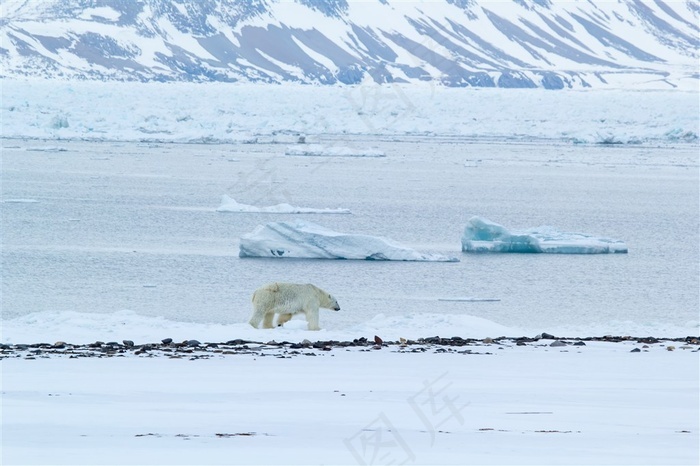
(481, 235)
(306, 240)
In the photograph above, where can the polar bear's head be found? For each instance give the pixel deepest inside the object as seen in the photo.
(333, 304)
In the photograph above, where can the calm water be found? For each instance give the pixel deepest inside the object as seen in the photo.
(133, 226)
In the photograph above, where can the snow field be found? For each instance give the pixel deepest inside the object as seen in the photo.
(597, 404)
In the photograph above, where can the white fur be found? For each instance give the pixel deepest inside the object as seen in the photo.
(288, 299)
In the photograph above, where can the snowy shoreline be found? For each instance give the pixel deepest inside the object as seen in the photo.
(194, 349)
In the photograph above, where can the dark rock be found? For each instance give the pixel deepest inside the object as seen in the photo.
(112, 343)
(237, 342)
(526, 339)
(558, 343)
(649, 340)
(636, 350)
(296, 346)
(377, 340)
(166, 341)
(547, 336)
(193, 343)
(128, 343)
(579, 343)
(612, 338)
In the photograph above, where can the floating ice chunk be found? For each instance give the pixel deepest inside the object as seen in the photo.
(469, 299)
(318, 150)
(229, 204)
(46, 149)
(299, 239)
(481, 235)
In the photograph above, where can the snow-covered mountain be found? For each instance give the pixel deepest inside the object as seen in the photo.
(519, 43)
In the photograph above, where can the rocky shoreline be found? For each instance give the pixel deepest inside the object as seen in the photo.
(194, 349)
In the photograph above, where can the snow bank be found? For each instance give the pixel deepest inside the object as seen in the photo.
(307, 240)
(318, 150)
(229, 204)
(82, 328)
(481, 235)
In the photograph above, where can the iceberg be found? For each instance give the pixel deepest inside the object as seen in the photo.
(300, 239)
(228, 204)
(481, 235)
(318, 150)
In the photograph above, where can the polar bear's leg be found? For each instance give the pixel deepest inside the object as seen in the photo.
(256, 318)
(283, 319)
(267, 319)
(312, 318)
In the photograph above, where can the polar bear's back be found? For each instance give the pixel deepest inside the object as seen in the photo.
(290, 297)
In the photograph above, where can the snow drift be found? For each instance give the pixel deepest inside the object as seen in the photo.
(308, 240)
(481, 235)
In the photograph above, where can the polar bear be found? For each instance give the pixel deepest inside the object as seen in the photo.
(288, 299)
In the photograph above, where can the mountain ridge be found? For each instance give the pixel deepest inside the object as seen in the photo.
(521, 43)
